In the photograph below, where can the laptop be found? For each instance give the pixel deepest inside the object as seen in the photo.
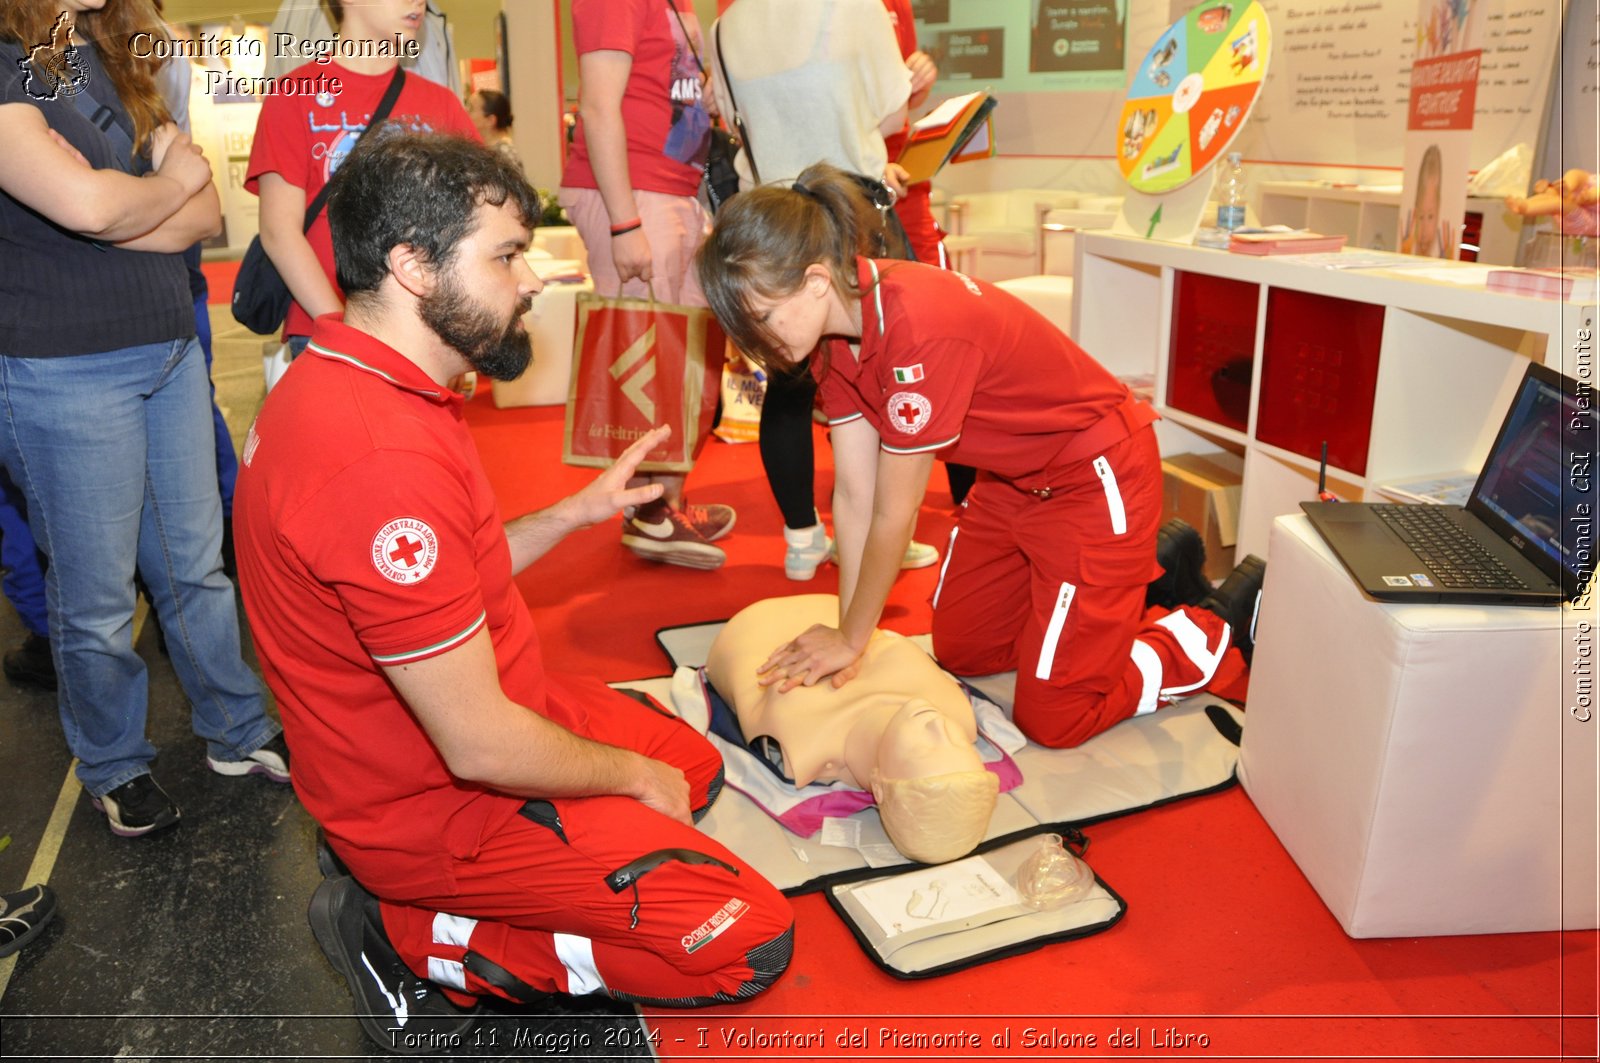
(1526, 533)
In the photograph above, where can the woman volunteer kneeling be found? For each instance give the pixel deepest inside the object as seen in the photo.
(1047, 571)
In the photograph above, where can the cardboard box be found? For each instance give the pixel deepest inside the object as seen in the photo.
(1203, 489)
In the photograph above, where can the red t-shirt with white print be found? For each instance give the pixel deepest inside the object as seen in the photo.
(304, 139)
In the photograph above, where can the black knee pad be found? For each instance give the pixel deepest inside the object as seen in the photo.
(712, 792)
(768, 962)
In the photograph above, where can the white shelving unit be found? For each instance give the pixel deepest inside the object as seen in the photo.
(1449, 357)
(1371, 216)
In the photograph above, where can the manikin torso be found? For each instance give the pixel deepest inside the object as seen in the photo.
(901, 717)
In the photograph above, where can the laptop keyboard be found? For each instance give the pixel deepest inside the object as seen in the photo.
(1452, 555)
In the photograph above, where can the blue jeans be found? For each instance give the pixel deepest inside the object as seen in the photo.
(115, 455)
(227, 462)
(23, 582)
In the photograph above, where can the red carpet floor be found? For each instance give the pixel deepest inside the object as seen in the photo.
(1226, 951)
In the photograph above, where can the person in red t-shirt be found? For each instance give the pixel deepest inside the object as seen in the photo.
(629, 189)
(1048, 571)
(914, 206)
(520, 833)
(301, 140)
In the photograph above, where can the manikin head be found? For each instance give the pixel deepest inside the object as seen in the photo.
(933, 794)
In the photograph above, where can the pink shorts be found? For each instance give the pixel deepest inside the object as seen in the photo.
(676, 226)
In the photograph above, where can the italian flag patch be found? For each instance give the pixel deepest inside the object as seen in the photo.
(909, 374)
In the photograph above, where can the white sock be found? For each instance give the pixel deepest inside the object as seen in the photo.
(802, 538)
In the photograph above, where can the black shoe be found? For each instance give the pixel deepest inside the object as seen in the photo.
(1181, 552)
(29, 666)
(23, 914)
(139, 806)
(271, 760)
(398, 1010)
(328, 861)
(1238, 600)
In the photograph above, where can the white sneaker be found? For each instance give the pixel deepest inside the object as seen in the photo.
(918, 555)
(807, 549)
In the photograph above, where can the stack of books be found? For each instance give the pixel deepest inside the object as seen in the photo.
(1575, 283)
(1282, 242)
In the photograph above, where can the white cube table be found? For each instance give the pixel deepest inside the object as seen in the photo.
(1419, 762)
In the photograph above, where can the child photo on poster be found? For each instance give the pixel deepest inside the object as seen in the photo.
(1434, 199)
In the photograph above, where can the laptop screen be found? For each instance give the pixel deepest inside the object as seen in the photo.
(1537, 487)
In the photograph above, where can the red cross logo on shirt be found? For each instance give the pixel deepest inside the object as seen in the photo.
(910, 411)
(405, 551)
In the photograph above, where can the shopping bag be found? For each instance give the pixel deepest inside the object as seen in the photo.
(744, 388)
(637, 363)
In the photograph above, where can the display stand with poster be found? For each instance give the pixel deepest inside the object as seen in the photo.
(1189, 98)
(1444, 93)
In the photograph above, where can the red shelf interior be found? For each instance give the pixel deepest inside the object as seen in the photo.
(1213, 340)
(1319, 373)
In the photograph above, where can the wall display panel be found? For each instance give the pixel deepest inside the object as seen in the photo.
(1336, 94)
(1026, 46)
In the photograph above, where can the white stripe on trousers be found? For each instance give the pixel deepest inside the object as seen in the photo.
(949, 552)
(1052, 634)
(1192, 643)
(1108, 481)
(577, 956)
(450, 930)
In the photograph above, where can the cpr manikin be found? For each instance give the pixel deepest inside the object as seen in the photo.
(902, 728)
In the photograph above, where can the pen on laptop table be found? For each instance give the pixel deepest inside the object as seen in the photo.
(1323, 494)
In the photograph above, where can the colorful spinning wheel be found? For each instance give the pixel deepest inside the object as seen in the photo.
(1192, 93)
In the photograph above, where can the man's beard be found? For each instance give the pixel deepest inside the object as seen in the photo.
(498, 351)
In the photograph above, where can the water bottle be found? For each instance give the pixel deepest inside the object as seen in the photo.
(1230, 194)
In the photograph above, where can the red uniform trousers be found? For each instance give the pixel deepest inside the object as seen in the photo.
(536, 903)
(1054, 588)
(915, 211)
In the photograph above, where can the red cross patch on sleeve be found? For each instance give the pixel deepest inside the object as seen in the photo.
(405, 550)
(909, 411)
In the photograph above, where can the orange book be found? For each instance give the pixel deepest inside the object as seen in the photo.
(943, 132)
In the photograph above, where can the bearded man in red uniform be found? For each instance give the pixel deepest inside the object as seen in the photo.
(520, 834)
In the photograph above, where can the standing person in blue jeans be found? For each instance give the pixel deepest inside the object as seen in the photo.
(27, 664)
(106, 420)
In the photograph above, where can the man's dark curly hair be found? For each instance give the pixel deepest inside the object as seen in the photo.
(417, 189)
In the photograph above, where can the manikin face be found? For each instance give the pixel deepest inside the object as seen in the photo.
(477, 305)
(921, 742)
(798, 319)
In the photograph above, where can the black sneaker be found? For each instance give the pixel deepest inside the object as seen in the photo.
(1181, 552)
(398, 1010)
(328, 861)
(1238, 601)
(29, 666)
(271, 760)
(23, 914)
(139, 806)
